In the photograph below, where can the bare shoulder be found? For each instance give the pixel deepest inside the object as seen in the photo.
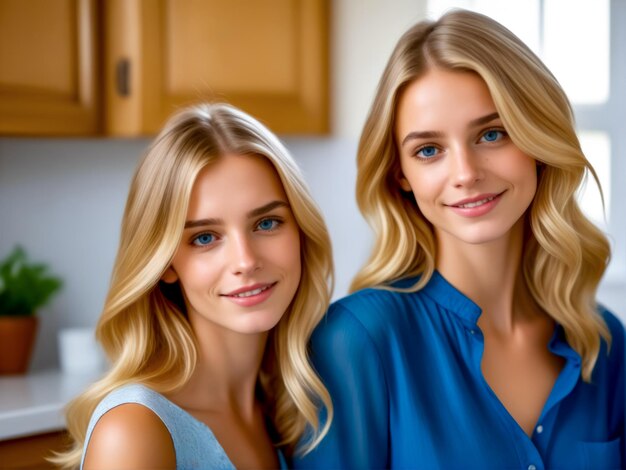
(130, 436)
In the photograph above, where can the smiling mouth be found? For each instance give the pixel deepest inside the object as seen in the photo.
(252, 292)
(477, 203)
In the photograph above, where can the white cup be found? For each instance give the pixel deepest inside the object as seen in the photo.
(79, 351)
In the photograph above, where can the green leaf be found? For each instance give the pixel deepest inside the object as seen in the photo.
(24, 287)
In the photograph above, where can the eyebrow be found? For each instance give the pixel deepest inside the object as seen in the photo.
(435, 134)
(421, 135)
(253, 213)
(484, 120)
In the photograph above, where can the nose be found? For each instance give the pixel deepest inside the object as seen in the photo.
(244, 257)
(465, 167)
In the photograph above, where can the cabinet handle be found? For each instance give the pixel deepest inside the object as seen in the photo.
(122, 76)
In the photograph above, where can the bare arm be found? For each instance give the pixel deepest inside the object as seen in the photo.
(130, 436)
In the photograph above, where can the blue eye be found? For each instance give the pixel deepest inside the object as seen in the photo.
(267, 225)
(492, 135)
(429, 151)
(204, 239)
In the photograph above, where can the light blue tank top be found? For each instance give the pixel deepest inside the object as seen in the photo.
(194, 443)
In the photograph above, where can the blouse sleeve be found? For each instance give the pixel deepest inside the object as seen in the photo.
(348, 363)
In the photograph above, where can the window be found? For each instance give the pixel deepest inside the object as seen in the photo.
(582, 49)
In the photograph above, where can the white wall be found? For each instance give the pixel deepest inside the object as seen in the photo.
(364, 33)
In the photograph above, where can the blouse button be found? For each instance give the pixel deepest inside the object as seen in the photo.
(539, 429)
(532, 467)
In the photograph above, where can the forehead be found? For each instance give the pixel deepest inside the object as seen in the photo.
(235, 184)
(441, 96)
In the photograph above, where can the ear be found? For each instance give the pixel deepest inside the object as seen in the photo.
(169, 276)
(404, 183)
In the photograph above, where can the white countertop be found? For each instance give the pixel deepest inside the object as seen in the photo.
(34, 403)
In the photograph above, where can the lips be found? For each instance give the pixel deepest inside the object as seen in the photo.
(475, 201)
(476, 206)
(249, 291)
(251, 296)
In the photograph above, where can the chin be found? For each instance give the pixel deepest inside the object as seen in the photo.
(482, 237)
(258, 324)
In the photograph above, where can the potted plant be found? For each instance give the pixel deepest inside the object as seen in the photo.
(24, 287)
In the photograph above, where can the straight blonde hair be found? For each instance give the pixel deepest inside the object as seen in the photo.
(143, 327)
(565, 255)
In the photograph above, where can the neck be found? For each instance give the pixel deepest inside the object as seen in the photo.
(226, 371)
(490, 274)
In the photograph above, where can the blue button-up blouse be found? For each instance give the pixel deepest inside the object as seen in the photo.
(404, 374)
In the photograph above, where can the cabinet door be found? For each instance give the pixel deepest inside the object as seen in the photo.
(268, 57)
(47, 67)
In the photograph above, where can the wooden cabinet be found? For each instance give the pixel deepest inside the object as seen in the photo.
(48, 67)
(31, 452)
(268, 57)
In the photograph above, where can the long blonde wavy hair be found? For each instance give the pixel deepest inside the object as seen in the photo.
(565, 255)
(143, 327)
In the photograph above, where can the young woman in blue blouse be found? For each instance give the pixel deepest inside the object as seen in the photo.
(473, 339)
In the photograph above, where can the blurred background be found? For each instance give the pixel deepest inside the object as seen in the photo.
(85, 84)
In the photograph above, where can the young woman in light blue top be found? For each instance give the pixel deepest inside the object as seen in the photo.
(473, 339)
(224, 269)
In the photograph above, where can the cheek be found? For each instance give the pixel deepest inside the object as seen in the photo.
(426, 188)
(525, 168)
(291, 251)
(426, 180)
(200, 272)
(287, 257)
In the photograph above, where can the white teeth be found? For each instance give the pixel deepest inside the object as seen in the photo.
(476, 203)
(251, 292)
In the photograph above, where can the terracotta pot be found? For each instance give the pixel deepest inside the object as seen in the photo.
(17, 338)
